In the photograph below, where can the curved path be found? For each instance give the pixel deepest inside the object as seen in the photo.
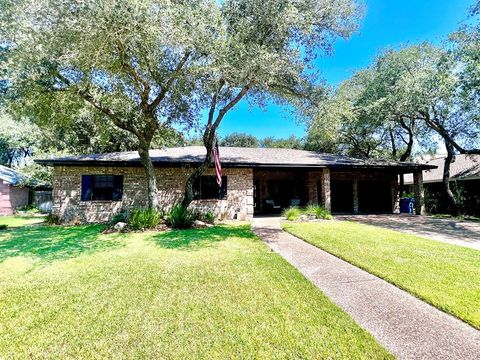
(406, 326)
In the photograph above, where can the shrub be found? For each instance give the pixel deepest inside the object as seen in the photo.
(180, 217)
(208, 217)
(31, 209)
(292, 213)
(319, 211)
(52, 219)
(3, 227)
(311, 209)
(141, 219)
(120, 217)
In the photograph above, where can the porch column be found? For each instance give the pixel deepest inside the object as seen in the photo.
(313, 178)
(418, 192)
(326, 195)
(355, 196)
(395, 196)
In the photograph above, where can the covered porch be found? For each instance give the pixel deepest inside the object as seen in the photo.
(341, 191)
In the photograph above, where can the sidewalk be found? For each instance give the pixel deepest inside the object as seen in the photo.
(406, 326)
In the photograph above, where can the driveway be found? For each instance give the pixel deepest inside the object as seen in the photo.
(457, 232)
(405, 325)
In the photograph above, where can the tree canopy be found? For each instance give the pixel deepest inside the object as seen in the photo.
(146, 65)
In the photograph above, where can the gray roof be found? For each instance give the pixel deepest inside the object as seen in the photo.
(11, 176)
(232, 157)
(465, 167)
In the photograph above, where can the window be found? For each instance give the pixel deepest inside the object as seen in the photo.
(102, 187)
(206, 187)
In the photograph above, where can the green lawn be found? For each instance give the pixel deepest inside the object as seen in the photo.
(209, 293)
(446, 276)
(23, 220)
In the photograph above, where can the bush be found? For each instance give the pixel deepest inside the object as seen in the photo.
(3, 227)
(31, 209)
(181, 218)
(141, 219)
(52, 219)
(292, 213)
(318, 211)
(208, 217)
(120, 217)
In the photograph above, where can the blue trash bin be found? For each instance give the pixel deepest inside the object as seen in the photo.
(407, 205)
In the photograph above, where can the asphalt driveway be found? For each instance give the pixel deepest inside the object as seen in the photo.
(458, 232)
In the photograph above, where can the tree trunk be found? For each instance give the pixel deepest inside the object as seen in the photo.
(152, 199)
(452, 204)
(188, 196)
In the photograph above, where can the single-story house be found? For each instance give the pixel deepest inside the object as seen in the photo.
(92, 188)
(464, 177)
(13, 195)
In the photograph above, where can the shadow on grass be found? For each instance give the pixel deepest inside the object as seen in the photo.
(196, 239)
(53, 242)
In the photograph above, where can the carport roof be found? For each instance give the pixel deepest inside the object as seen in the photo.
(11, 176)
(235, 157)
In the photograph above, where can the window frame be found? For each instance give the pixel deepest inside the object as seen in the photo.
(88, 182)
(221, 192)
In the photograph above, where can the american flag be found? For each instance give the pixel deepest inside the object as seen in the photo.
(218, 166)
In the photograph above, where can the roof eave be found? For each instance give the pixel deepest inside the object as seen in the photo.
(136, 163)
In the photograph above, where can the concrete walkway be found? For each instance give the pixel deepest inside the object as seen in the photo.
(452, 231)
(408, 327)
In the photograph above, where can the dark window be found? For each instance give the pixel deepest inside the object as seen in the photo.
(102, 187)
(206, 187)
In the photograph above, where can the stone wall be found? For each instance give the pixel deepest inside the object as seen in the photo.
(170, 182)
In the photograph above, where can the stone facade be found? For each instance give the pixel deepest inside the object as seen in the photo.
(68, 206)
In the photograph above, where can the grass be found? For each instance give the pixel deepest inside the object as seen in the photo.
(71, 292)
(444, 275)
(21, 220)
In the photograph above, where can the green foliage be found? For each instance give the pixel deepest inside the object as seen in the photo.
(19, 140)
(31, 209)
(292, 213)
(292, 142)
(180, 217)
(240, 140)
(142, 219)
(119, 217)
(319, 211)
(443, 275)
(52, 219)
(208, 217)
(3, 226)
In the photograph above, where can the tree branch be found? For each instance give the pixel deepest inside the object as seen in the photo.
(143, 87)
(165, 87)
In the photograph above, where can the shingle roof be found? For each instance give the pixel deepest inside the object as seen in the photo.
(11, 176)
(463, 168)
(231, 157)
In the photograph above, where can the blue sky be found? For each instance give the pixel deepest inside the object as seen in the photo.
(387, 23)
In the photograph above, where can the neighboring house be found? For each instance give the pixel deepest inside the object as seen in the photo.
(17, 191)
(12, 194)
(464, 180)
(93, 188)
